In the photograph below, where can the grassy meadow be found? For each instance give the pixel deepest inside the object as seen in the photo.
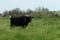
(38, 29)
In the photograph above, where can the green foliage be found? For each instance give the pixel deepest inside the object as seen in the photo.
(39, 12)
(38, 29)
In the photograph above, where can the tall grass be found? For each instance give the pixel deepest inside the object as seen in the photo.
(38, 29)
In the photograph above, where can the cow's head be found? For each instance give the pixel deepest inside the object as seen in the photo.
(28, 18)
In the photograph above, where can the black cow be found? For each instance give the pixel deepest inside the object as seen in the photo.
(20, 21)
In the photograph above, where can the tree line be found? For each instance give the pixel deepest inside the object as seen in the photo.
(37, 13)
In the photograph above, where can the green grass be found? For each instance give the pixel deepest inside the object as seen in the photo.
(38, 29)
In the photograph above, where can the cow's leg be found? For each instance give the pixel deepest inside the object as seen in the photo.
(11, 25)
(23, 26)
(26, 24)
